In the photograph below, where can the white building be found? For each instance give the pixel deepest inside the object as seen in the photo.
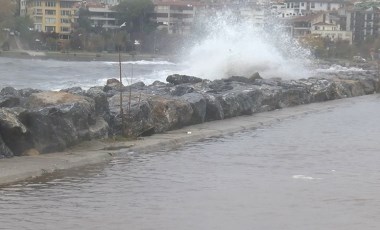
(103, 17)
(331, 31)
(292, 8)
(110, 2)
(253, 15)
(23, 8)
(177, 16)
(105, 2)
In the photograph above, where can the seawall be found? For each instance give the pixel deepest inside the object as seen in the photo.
(92, 152)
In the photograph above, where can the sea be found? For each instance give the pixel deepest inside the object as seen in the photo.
(310, 172)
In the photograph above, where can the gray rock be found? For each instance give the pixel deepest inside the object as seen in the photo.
(9, 101)
(5, 152)
(219, 86)
(177, 79)
(180, 90)
(198, 104)
(100, 98)
(9, 91)
(57, 120)
(74, 90)
(240, 102)
(214, 110)
(15, 134)
(28, 91)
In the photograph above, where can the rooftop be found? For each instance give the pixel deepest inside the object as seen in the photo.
(176, 3)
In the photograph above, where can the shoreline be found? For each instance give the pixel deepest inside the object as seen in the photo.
(23, 168)
(81, 56)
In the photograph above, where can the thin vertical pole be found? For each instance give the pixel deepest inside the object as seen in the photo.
(121, 96)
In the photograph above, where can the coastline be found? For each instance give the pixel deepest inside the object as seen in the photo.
(23, 168)
(81, 56)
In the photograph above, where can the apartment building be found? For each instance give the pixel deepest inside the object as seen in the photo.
(304, 7)
(104, 2)
(53, 15)
(22, 5)
(364, 22)
(177, 16)
(331, 31)
(103, 16)
(253, 14)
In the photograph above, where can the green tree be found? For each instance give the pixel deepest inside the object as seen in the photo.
(136, 13)
(7, 12)
(83, 20)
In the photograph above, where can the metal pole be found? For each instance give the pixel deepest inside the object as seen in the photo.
(121, 95)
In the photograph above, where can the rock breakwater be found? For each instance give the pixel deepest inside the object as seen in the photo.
(34, 121)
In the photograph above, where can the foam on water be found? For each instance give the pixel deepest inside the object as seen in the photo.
(233, 47)
(142, 62)
(338, 68)
(303, 177)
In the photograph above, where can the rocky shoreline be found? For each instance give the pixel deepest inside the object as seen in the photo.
(34, 121)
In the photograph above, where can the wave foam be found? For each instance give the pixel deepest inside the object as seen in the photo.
(303, 177)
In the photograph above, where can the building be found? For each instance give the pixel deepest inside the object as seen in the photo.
(363, 22)
(331, 31)
(22, 5)
(103, 16)
(53, 15)
(177, 16)
(291, 8)
(323, 24)
(105, 2)
(301, 26)
(253, 15)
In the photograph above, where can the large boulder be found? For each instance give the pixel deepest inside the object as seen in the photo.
(147, 114)
(14, 133)
(293, 93)
(240, 101)
(4, 150)
(198, 104)
(178, 79)
(214, 110)
(9, 97)
(180, 90)
(9, 101)
(74, 90)
(135, 120)
(170, 113)
(323, 90)
(100, 99)
(57, 120)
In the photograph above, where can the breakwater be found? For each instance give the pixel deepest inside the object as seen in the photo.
(34, 121)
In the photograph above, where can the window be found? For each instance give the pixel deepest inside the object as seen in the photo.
(38, 11)
(65, 12)
(50, 4)
(50, 12)
(162, 7)
(37, 3)
(65, 20)
(312, 5)
(38, 19)
(38, 27)
(50, 28)
(65, 29)
(50, 20)
(66, 4)
(302, 4)
(369, 16)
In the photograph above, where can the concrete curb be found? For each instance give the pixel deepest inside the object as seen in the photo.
(22, 168)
